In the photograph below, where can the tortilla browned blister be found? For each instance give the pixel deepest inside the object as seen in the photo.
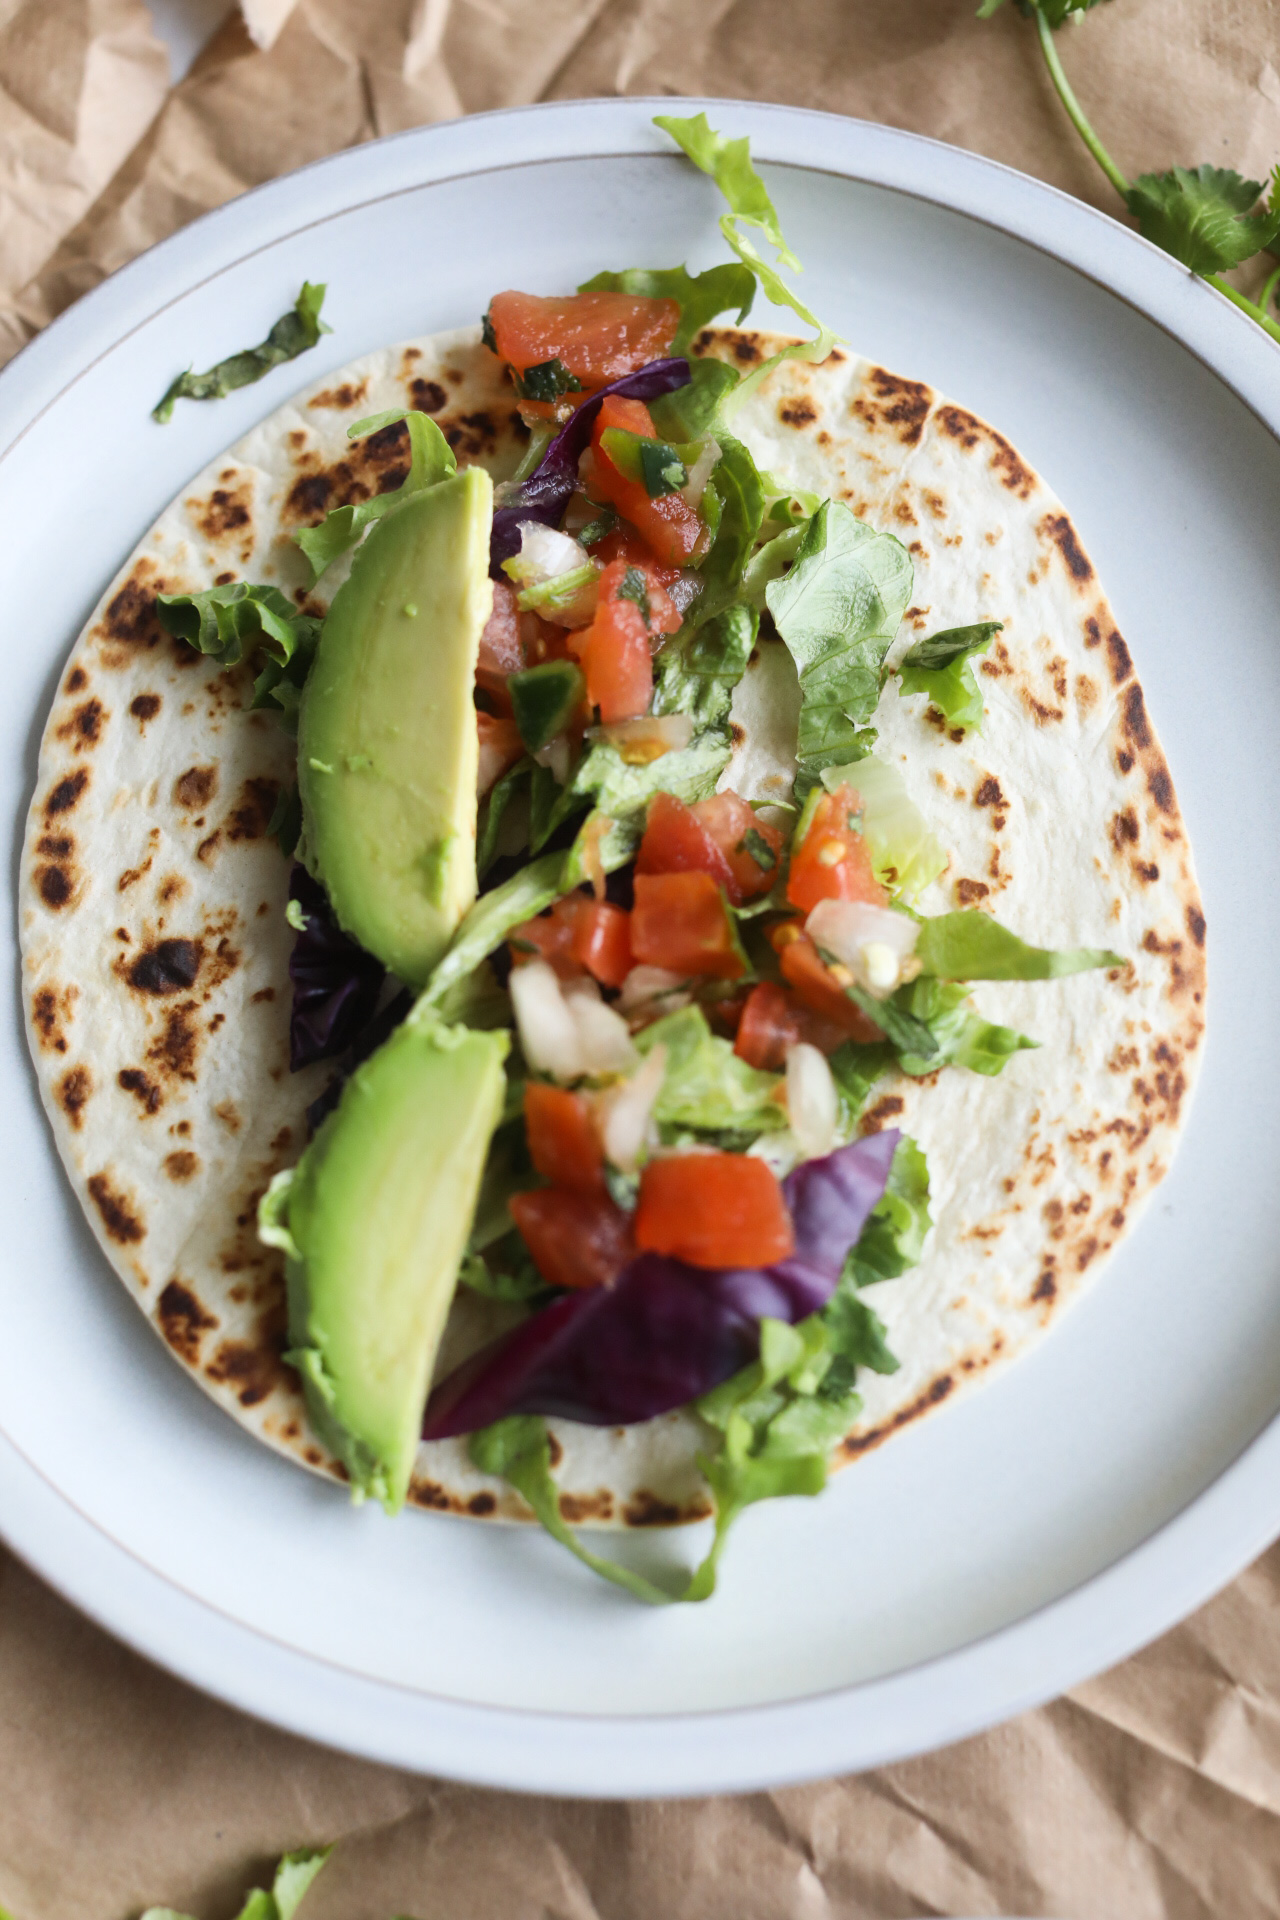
(156, 948)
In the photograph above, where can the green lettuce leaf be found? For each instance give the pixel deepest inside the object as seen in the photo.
(431, 458)
(706, 1087)
(622, 793)
(294, 1876)
(905, 854)
(702, 297)
(970, 945)
(939, 667)
(493, 807)
(1205, 216)
(690, 411)
(738, 494)
(728, 162)
(698, 670)
(894, 1236)
(838, 610)
(238, 622)
(489, 922)
(294, 333)
(938, 1028)
(1056, 12)
(855, 1068)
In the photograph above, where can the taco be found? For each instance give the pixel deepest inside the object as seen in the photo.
(605, 881)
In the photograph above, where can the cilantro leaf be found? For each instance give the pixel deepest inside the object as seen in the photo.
(431, 458)
(547, 381)
(939, 667)
(894, 1236)
(294, 332)
(958, 1036)
(293, 1877)
(838, 610)
(1205, 217)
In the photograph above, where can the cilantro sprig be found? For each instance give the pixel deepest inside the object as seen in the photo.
(1209, 218)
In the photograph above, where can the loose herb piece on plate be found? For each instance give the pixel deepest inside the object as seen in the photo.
(293, 1877)
(294, 332)
(1209, 218)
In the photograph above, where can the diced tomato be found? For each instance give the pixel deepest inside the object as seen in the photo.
(775, 1019)
(713, 1210)
(624, 543)
(564, 1141)
(752, 848)
(597, 336)
(832, 863)
(680, 922)
(615, 649)
(543, 641)
(576, 1239)
(676, 841)
(500, 748)
(803, 968)
(580, 933)
(724, 1014)
(670, 525)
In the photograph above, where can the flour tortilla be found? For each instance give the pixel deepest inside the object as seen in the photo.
(156, 949)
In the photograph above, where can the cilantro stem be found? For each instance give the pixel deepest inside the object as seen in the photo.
(1265, 297)
(1075, 110)
(1255, 311)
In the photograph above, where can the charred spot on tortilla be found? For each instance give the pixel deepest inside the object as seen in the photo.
(165, 966)
(65, 793)
(428, 396)
(645, 1509)
(196, 787)
(182, 1165)
(226, 511)
(184, 1321)
(175, 1050)
(84, 728)
(898, 403)
(145, 1091)
(1134, 718)
(1119, 657)
(75, 681)
(1057, 528)
(73, 1092)
(55, 885)
(342, 398)
(251, 815)
(119, 1213)
(144, 707)
(250, 1371)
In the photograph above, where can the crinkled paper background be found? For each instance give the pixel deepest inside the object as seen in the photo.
(1152, 1793)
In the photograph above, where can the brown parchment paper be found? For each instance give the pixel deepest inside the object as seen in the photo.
(1152, 1793)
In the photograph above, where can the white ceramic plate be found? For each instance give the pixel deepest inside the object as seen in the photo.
(1000, 1550)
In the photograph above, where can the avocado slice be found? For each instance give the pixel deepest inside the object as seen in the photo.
(374, 1220)
(387, 741)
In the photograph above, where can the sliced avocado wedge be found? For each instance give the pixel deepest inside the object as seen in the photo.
(374, 1220)
(387, 741)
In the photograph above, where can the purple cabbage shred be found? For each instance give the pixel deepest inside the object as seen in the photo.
(664, 1332)
(545, 494)
(336, 984)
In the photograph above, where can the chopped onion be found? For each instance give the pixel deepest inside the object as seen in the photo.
(876, 944)
(684, 590)
(652, 991)
(812, 1102)
(648, 738)
(700, 472)
(545, 553)
(555, 756)
(627, 1111)
(549, 1033)
(604, 1039)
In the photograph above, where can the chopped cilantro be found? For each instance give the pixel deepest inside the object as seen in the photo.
(633, 587)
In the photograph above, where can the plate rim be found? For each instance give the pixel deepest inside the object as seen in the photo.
(873, 1722)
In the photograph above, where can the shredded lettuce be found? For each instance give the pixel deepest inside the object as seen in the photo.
(698, 671)
(939, 667)
(893, 1238)
(431, 458)
(701, 297)
(905, 854)
(706, 1087)
(492, 809)
(293, 1877)
(622, 792)
(970, 945)
(489, 922)
(294, 332)
(932, 1025)
(237, 622)
(735, 498)
(838, 610)
(728, 162)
